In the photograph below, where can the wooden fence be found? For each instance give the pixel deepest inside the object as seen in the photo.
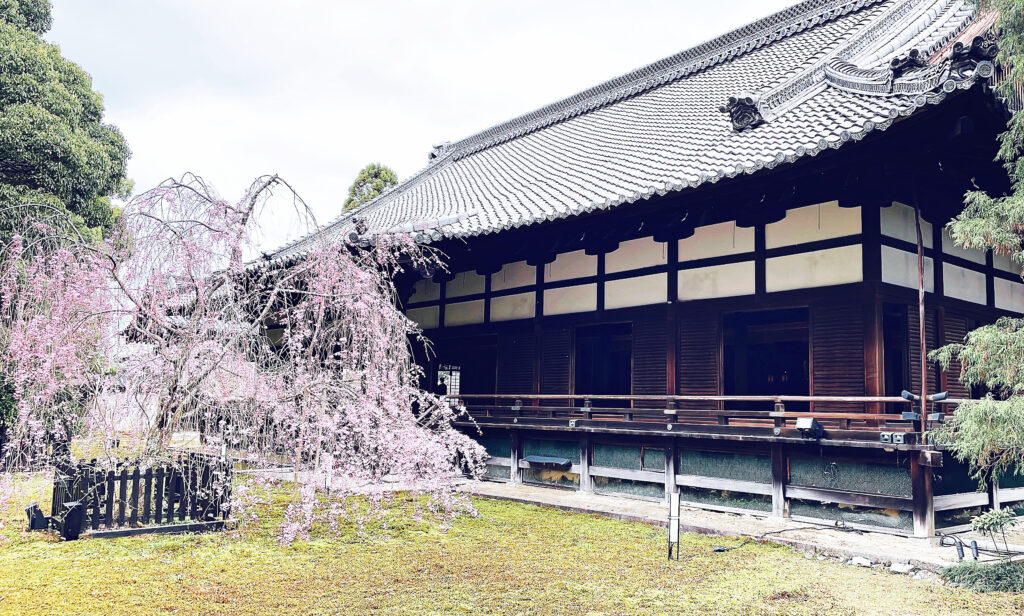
(192, 488)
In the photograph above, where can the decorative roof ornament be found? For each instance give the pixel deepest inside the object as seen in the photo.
(967, 61)
(439, 150)
(743, 112)
(902, 65)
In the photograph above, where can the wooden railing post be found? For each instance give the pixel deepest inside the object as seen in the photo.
(517, 448)
(780, 504)
(924, 503)
(586, 484)
(670, 468)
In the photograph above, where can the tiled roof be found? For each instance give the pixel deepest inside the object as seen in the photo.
(819, 74)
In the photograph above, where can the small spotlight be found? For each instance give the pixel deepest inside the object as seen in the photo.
(809, 427)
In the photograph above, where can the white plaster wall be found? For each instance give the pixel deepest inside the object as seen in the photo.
(580, 298)
(575, 264)
(898, 221)
(636, 291)
(900, 267)
(1009, 295)
(465, 283)
(950, 248)
(425, 290)
(963, 283)
(725, 238)
(635, 254)
(512, 275)
(464, 313)
(511, 307)
(812, 223)
(427, 317)
(819, 268)
(1005, 263)
(727, 280)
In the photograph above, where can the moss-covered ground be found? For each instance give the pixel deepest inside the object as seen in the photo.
(511, 559)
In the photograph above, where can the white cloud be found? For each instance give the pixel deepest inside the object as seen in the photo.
(315, 90)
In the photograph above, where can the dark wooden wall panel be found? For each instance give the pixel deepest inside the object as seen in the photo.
(555, 364)
(914, 344)
(954, 330)
(516, 361)
(697, 358)
(650, 338)
(837, 353)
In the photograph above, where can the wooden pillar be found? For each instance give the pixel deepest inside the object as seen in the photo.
(780, 504)
(586, 485)
(924, 502)
(671, 346)
(874, 361)
(760, 261)
(517, 449)
(670, 468)
(993, 492)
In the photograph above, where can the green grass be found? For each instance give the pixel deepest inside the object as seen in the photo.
(512, 559)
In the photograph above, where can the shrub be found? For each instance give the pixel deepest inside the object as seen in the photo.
(1003, 576)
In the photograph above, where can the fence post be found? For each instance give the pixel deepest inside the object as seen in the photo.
(147, 495)
(109, 519)
(134, 521)
(122, 495)
(171, 478)
(95, 482)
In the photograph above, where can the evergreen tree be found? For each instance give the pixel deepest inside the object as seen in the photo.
(989, 433)
(54, 147)
(372, 181)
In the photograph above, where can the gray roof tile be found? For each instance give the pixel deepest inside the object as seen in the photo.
(818, 70)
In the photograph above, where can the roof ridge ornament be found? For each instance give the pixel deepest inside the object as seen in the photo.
(439, 150)
(743, 111)
(966, 61)
(902, 65)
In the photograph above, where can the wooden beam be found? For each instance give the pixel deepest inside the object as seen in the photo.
(627, 473)
(719, 483)
(859, 499)
(963, 500)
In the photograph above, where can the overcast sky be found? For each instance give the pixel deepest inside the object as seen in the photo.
(314, 90)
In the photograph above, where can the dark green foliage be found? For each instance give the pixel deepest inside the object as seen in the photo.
(1003, 576)
(54, 147)
(32, 15)
(371, 182)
